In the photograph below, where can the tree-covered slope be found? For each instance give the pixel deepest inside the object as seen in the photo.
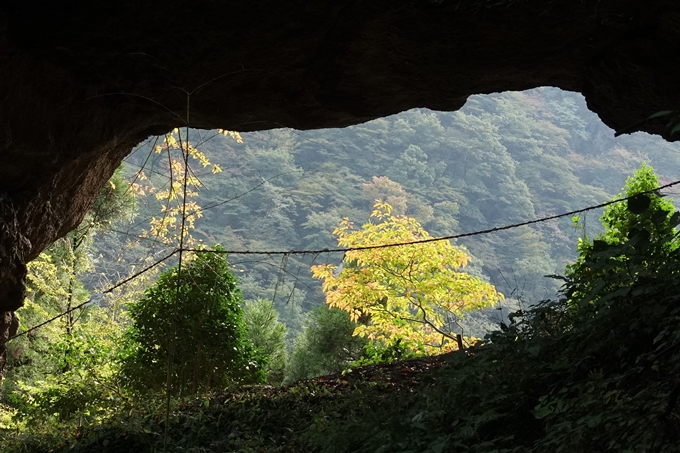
(502, 159)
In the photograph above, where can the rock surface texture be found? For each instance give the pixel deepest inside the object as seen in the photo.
(82, 82)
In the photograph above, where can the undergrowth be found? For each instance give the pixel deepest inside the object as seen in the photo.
(252, 419)
(608, 382)
(597, 370)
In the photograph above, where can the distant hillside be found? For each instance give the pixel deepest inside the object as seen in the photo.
(502, 159)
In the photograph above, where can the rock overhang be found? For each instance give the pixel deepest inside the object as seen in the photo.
(82, 82)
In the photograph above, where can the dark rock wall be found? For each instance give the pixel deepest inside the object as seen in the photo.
(81, 82)
(9, 324)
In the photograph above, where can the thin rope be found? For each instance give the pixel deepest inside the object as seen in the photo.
(171, 352)
(109, 290)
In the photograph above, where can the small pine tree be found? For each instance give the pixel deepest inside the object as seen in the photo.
(268, 335)
(325, 345)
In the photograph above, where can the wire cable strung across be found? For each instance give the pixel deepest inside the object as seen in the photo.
(342, 250)
(98, 295)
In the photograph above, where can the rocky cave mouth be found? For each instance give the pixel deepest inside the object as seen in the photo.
(82, 83)
(526, 139)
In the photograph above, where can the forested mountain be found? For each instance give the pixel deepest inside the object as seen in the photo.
(272, 201)
(502, 159)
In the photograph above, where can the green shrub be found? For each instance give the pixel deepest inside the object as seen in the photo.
(192, 321)
(268, 335)
(325, 346)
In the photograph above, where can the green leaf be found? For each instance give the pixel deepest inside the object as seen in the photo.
(594, 421)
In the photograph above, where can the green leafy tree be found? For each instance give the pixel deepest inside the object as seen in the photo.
(326, 345)
(644, 222)
(413, 293)
(268, 335)
(65, 372)
(411, 167)
(649, 212)
(191, 322)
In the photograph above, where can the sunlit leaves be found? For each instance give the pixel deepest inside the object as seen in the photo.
(415, 292)
(183, 184)
(233, 134)
(45, 276)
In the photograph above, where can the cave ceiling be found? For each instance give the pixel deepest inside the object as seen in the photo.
(81, 83)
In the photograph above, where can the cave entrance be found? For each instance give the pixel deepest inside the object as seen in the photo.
(502, 159)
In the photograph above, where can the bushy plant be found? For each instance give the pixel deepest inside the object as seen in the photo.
(268, 336)
(191, 323)
(83, 390)
(326, 345)
(612, 262)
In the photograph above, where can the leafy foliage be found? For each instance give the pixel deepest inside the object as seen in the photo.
(261, 419)
(192, 322)
(414, 293)
(644, 221)
(326, 345)
(268, 336)
(82, 387)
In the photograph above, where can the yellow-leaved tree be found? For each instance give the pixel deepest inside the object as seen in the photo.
(174, 196)
(412, 293)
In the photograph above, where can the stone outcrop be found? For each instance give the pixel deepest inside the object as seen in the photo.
(82, 82)
(9, 324)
